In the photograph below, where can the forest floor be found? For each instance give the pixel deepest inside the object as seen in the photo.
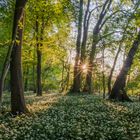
(67, 117)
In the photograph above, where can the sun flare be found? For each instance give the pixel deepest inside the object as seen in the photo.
(84, 68)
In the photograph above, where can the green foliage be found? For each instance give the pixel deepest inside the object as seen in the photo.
(6, 13)
(80, 117)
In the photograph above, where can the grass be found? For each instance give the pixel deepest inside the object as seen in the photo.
(80, 117)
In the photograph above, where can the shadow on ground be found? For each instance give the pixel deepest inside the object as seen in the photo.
(85, 117)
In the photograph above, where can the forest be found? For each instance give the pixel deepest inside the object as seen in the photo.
(69, 70)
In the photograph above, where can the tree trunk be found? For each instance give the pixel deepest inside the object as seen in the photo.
(63, 83)
(34, 79)
(68, 77)
(103, 72)
(34, 70)
(112, 70)
(17, 91)
(39, 85)
(118, 91)
(88, 87)
(26, 78)
(77, 80)
(39, 39)
(17, 16)
(2, 79)
(38, 67)
(85, 33)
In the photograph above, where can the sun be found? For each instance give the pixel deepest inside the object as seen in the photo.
(84, 68)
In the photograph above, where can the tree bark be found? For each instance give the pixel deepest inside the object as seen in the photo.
(103, 72)
(68, 77)
(17, 92)
(39, 39)
(63, 83)
(26, 78)
(39, 85)
(34, 79)
(38, 67)
(77, 80)
(118, 91)
(34, 70)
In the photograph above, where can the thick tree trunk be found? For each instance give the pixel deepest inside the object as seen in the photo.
(118, 91)
(17, 91)
(77, 80)
(88, 87)
(17, 16)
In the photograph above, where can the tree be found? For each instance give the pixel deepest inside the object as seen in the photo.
(118, 91)
(103, 70)
(5, 19)
(96, 31)
(114, 64)
(77, 79)
(39, 56)
(125, 32)
(17, 92)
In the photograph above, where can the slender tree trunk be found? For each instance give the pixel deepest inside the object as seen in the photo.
(99, 85)
(34, 81)
(39, 85)
(7, 83)
(38, 68)
(26, 78)
(34, 71)
(112, 70)
(17, 91)
(104, 87)
(2, 78)
(77, 80)
(68, 77)
(118, 91)
(39, 39)
(103, 72)
(62, 83)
